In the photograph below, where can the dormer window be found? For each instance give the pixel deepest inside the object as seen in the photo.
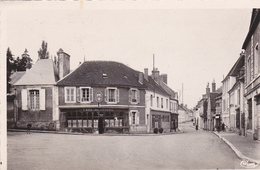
(104, 75)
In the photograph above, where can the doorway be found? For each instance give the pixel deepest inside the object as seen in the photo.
(101, 125)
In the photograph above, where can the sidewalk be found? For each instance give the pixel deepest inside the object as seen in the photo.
(92, 134)
(245, 147)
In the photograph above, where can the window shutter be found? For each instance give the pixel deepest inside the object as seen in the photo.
(137, 118)
(138, 96)
(106, 96)
(42, 99)
(130, 94)
(130, 118)
(91, 94)
(78, 95)
(24, 99)
(117, 95)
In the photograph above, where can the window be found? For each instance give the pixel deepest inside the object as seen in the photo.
(112, 95)
(133, 114)
(85, 94)
(134, 96)
(161, 102)
(33, 99)
(171, 107)
(158, 101)
(167, 103)
(134, 117)
(70, 96)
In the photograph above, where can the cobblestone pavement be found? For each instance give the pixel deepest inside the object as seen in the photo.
(189, 150)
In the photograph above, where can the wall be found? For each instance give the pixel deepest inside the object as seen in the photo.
(40, 119)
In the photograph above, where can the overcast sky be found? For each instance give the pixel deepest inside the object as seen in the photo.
(193, 46)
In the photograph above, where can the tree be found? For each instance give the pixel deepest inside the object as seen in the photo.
(24, 62)
(43, 52)
(10, 67)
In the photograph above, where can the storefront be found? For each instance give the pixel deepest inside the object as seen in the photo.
(160, 120)
(93, 120)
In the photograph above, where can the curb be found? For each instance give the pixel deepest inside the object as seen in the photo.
(91, 134)
(238, 153)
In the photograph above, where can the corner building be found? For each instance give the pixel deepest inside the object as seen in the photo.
(103, 97)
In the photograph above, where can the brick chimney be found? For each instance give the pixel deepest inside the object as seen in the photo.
(213, 86)
(141, 77)
(163, 78)
(207, 90)
(63, 63)
(155, 74)
(146, 73)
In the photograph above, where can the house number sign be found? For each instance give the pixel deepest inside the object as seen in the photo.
(99, 96)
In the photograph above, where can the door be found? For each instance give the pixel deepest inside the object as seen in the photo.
(101, 125)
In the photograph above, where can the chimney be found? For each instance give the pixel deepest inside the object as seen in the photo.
(146, 73)
(155, 74)
(163, 78)
(141, 78)
(207, 90)
(213, 86)
(63, 63)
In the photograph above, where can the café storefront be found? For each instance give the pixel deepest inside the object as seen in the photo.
(95, 120)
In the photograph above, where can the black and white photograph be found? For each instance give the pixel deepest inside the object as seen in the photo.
(129, 85)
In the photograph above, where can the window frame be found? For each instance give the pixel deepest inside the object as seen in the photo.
(90, 94)
(131, 96)
(34, 99)
(137, 117)
(25, 99)
(66, 95)
(117, 98)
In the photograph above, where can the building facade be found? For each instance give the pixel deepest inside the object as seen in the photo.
(37, 94)
(252, 76)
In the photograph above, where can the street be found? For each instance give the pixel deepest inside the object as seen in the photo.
(189, 150)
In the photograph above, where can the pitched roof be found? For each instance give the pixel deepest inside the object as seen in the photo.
(99, 73)
(152, 85)
(16, 76)
(236, 67)
(44, 72)
(255, 19)
(169, 90)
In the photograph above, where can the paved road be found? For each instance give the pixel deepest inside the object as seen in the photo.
(192, 149)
